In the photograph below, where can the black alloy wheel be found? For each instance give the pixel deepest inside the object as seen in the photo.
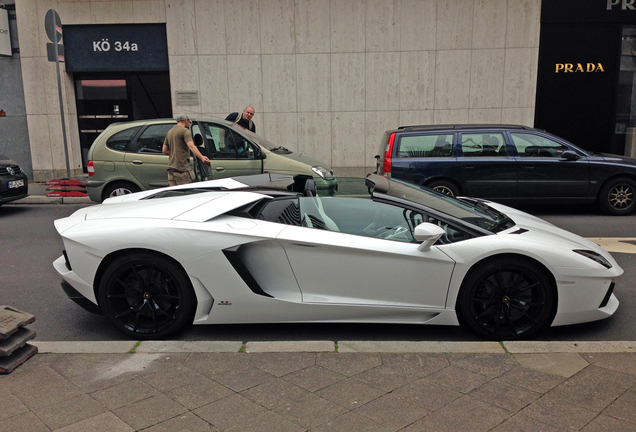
(507, 299)
(445, 187)
(147, 296)
(617, 196)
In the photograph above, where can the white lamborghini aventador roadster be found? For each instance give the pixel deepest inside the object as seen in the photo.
(269, 249)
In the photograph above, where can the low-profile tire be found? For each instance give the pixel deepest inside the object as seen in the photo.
(445, 187)
(618, 196)
(507, 298)
(119, 188)
(147, 296)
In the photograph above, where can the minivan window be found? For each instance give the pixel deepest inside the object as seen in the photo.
(419, 146)
(484, 145)
(151, 140)
(120, 140)
(530, 145)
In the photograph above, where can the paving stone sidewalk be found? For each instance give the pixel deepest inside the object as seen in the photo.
(478, 387)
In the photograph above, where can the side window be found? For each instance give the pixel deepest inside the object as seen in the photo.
(359, 216)
(151, 140)
(530, 145)
(224, 143)
(120, 140)
(484, 145)
(420, 146)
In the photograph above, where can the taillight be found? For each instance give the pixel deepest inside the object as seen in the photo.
(91, 168)
(386, 166)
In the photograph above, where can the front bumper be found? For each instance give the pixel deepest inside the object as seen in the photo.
(80, 299)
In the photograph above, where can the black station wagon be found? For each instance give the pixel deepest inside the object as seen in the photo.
(508, 164)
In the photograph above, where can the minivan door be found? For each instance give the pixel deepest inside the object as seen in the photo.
(230, 153)
(145, 159)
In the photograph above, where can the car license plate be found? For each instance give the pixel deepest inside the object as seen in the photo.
(16, 184)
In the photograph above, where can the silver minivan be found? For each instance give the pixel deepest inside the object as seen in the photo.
(127, 157)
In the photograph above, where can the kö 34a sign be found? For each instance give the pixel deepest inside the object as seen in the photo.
(579, 67)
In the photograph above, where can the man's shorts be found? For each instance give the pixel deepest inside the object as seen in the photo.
(178, 178)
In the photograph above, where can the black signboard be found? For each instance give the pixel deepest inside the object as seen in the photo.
(116, 48)
(578, 69)
(588, 11)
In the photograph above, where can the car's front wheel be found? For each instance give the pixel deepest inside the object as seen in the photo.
(506, 299)
(146, 296)
(617, 196)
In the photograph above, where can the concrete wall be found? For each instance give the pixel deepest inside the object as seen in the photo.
(326, 77)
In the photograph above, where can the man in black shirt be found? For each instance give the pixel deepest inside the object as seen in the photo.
(243, 119)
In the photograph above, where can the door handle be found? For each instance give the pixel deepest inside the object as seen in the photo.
(137, 162)
(220, 169)
(528, 165)
(469, 166)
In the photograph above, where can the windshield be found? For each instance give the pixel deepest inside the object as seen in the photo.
(253, 137)
(474, 212)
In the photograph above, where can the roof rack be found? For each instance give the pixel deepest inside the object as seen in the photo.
(461, 126)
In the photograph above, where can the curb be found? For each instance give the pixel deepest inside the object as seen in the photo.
(153, 347)
(39, 199)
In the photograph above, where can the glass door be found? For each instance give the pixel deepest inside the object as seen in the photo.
(100, 102)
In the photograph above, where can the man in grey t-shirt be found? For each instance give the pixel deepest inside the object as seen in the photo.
(178, 145)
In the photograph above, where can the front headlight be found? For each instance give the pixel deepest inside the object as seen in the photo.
(322, 171)
(594, 256)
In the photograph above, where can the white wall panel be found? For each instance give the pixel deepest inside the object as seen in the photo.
(348, 82)
(277, 27)
(452, 79)
(417, 80)
(313, 81)
(314, 135)
(209, 18)
(279, 83)
(312, 26)
(347, 26)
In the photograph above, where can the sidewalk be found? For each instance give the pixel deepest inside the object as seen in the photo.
(322, 386)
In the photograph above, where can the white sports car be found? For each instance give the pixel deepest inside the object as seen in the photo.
(268, 249)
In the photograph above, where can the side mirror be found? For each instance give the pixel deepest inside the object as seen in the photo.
(570, 155)
(428, 234)
(198, 140)
(258, 154)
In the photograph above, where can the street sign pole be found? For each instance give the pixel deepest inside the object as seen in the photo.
(53, 21)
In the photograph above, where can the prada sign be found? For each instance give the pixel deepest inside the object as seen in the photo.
(579, 67)
(622, 4)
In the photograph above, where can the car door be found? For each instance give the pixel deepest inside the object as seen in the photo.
(230, 153)
(544, 173)
(145, 159)
(361, 252)
(487, 169)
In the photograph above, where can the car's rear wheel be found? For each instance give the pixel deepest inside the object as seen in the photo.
(147, 296)
(506, 299)
(119, 188)
(445, 187)
(617, 196)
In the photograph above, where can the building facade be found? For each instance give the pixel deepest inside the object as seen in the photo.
(326, 77)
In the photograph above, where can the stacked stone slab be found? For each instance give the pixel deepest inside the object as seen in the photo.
(14, 349)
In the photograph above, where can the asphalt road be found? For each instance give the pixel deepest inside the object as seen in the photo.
(29, 245)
